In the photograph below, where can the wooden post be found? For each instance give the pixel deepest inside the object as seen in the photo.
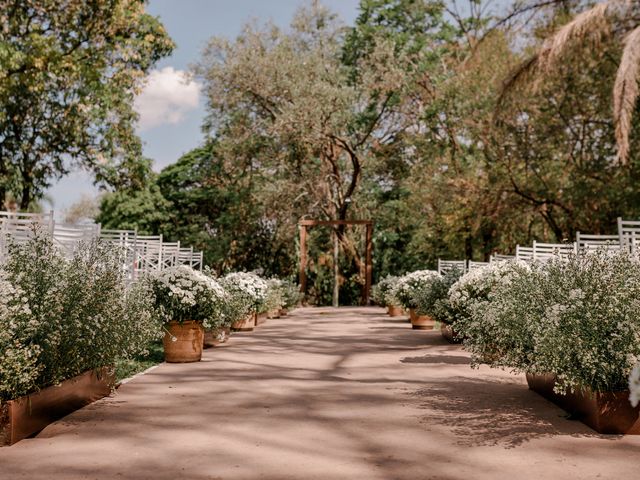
(304, 224)
(368, 263)
(336, 270)
(303, 259)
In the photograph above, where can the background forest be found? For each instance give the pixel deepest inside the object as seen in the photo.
(413, 118)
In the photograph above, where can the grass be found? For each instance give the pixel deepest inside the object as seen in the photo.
(128, 368)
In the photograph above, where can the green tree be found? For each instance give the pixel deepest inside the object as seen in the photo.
(68, 74)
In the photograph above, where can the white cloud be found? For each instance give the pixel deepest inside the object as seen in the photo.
(166, 98)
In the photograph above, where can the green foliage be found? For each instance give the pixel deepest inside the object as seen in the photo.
(380, 293)
(128, 367)
(275, 295)
(143, 210)
(59, 318)
(291, 294)
(412, 25)
(433, 299)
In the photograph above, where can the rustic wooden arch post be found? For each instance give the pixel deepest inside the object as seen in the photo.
(305, 224)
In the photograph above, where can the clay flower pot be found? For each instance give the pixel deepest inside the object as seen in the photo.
(183, 342)
(22, 417)
(245, 325)
(421, 322)
(273, 313)
(284, 312)
(394, 311)
(215, 337)
(261, 318)
(609, 412)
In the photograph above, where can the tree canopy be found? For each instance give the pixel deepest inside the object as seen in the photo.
(69, 71)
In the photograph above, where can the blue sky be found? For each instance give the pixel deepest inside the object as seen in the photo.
(172, 112)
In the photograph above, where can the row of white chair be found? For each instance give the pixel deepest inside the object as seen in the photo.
(140, 253)
(460, 265)
(627, 238)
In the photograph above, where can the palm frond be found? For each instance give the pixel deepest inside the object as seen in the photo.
(625, 92)
(516, 76)
(593, 25)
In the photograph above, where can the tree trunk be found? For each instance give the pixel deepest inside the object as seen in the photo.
(336, 269)
(4, 180)
(25, 200)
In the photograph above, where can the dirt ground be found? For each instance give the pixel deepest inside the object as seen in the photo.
(324, 394)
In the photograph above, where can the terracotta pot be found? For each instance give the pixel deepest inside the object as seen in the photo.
(245, 325)
(394, 311)
(608, 412)
(261, 318)
(421, 322)
(24, 416)
(188, 343)
(284, 312)
(274, 313)
(449, 334)
(215, 337)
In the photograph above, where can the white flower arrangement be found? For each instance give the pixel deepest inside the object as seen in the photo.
(432, 299)
(406, 287)
(275, 295)
(475, 287)
(250, 285)
(183, 293)
(381, 292)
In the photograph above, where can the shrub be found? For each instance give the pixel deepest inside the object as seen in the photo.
(406, 287)
(474, 288)
(433, 298)
(577, 318)
(249, 292)
(381, 292)
(59, 317)
(182, 294)
(275, 295)
(291, 294)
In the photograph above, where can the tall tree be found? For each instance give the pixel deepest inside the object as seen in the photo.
(69, 70)
(288, 94)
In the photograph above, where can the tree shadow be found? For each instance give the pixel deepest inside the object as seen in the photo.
(435, 359)
(492, 412)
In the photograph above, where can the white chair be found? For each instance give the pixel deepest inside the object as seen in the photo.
(67, 237)
(127, 242)
(148, 254)
(446, 265)
(496, 257)
(524, 254)
(629, 233)
(587, 242)
(16, 227)
(545, 251)
(476, 265)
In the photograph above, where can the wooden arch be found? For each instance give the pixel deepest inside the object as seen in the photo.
(303, 225)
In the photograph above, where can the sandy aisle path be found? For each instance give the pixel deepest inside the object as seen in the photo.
(324, 394)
